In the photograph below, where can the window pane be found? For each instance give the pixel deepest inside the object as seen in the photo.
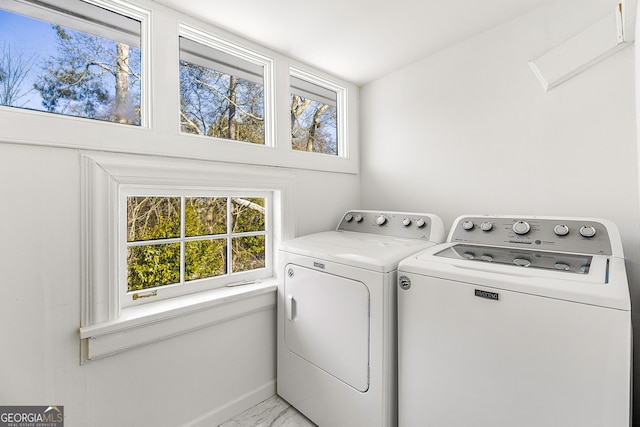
(205, 258)
(248, 253)
(205, 216)
(313, 126)
(247, 214)
(47, 66)
(221, 95)
(152, 266)
(152, 218)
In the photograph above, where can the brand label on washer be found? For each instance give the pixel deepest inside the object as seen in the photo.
(318, 265)
(488, 295)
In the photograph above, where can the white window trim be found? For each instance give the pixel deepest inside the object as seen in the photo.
(107, 328)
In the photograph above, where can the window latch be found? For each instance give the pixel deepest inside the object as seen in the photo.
(150, 294)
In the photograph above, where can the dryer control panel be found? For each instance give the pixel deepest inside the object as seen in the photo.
(574, 235)
(399, 224)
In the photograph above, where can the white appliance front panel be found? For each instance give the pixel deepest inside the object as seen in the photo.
(323, 398)
(327, 323)
(467, 357)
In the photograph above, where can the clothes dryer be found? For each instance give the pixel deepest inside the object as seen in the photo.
(516, 321)
(337, 316)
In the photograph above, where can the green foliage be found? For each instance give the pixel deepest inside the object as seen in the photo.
(152, 266)
(248, 253)
(155, 219)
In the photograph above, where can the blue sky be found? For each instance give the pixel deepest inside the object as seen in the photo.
(28, 37)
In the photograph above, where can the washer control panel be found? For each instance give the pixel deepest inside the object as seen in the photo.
(554, 234)
(400, 224)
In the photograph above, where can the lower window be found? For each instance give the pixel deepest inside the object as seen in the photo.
(178, 242)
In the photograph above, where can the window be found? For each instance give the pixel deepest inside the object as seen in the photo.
(222, 91)
(314, 116)
(226, 220)
(178, 244)
(72, 58)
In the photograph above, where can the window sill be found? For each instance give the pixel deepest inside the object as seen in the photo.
(148, 323)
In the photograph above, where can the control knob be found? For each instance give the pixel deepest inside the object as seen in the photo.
(522, 262)
(348, 217)
(420, 223)
(587, 231)
(358, 218)
(521, 227)
(467, 225)
(561, 230)
(381, 220)
(406, 222)
(486, 226)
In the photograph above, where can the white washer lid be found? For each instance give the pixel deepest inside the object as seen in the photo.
(605, 285)
(363, 250)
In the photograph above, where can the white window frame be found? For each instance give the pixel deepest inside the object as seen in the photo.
(129, 299)
(340, 103)
(126, 9)
(108, 327)
(245, 54)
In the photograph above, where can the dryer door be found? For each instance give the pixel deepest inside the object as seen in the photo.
(327, 323)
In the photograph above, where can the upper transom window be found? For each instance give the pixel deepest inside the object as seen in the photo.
(72, 58)
(314, 115)
(222, 91)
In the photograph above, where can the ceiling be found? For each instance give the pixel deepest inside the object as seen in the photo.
(356, 40)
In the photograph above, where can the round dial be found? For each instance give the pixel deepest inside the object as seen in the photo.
(420, 223)
(486, 257)
(348, 217)
(358, 218)
(587, 231)
(521, 227)
(562, 266)
(467, 225)
(407, 222)
(522, 262)
(381, 220)
(486, 226)
(561, 230)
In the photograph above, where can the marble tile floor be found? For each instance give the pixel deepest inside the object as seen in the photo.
(273, 412)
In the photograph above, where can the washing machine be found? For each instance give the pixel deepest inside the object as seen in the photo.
(337, 316)
(516, 321)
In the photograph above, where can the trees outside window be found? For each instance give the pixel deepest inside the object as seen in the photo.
(76, 73)
(313, 126)
(221, 94)
(176, 240)
(314, 116)
(220, 105)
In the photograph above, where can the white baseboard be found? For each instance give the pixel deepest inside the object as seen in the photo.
(235, 407)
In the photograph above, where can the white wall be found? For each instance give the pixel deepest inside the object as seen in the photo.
(470, 130)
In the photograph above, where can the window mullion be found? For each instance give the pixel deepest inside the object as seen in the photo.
(229, 232)
(182, 239)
